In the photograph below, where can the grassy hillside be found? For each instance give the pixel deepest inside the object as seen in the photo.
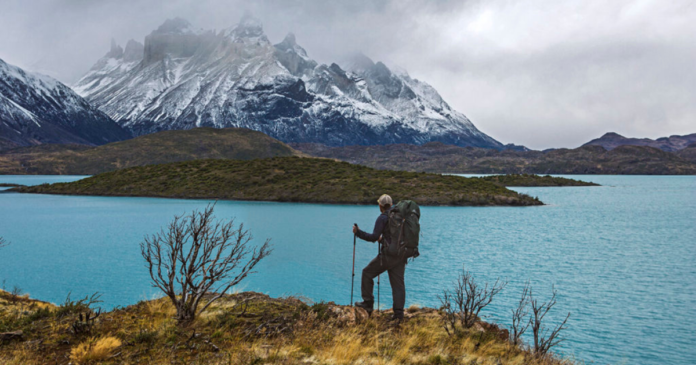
(6, 144)
(245, 328)
(157, 148)
(438, 157)
(288, 179)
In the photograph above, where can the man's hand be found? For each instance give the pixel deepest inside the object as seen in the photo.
(355, 229)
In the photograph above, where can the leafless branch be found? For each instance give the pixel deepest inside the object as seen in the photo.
(3, 242)
(519, 315)
(544, 339)
(198, 255)
(463, 304)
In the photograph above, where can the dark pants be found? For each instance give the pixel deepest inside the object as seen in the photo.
(396, 268)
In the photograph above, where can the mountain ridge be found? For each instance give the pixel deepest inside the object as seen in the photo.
(442, 158)
(190, 78)
(672, 143)
(37, 109)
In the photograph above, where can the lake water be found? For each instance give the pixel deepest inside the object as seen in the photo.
(622, 256)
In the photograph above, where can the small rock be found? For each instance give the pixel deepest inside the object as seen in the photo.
(9, 336)
(347, 315)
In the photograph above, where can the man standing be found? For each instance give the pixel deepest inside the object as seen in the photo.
(393, 264)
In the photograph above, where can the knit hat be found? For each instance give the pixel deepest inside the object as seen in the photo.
(384, 200)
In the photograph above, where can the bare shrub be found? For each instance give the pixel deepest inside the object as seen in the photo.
(462, 305)
(16, 293)
(198, 255)
(70, 306)
(520, 323)
(3, 242)
(84, 324)
(544, 339)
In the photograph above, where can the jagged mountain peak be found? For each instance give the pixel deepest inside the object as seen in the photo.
(381, 69)
(289, 44)
(249, 29)
(249, 21)
(176, 26)
(134, 51)
(290, 39)
(36, 80)
(236, 78)
(357, 62)
(400, 71)
(293, 57)
(115, 51)
(175, 38)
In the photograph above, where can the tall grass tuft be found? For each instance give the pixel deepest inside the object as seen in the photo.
(94, 350)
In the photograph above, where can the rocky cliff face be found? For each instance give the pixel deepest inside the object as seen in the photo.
(190, 78)
(36, 109)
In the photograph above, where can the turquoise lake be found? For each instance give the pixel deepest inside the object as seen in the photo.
(622, 256)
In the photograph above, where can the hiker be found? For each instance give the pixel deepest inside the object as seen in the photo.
(386, 260)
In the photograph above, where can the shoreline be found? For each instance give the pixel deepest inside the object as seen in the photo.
(12, 190)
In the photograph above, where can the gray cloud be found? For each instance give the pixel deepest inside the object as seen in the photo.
(541, 73)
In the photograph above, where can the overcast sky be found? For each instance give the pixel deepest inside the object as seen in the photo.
(542, 73)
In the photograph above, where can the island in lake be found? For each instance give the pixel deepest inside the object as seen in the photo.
(295, 179)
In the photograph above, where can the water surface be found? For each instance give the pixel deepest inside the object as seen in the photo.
(621, 256)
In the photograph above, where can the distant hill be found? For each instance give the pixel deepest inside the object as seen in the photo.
(36, 109)
(688, 153)
(670, 144)
(438, 157)
(157, 148)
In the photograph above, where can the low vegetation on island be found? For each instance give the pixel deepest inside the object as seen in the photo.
(9, 185)
(195, 261)
(288, 179)
(529, 180)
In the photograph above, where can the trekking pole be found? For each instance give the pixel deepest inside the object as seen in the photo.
(352, 279)
(379, 253)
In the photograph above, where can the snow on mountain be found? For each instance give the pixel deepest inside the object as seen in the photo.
(188, 78)
(36, 109)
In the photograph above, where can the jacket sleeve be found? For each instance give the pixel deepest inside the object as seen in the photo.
(379, 228)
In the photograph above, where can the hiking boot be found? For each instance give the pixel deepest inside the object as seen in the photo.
(397, 318)
(366, 306)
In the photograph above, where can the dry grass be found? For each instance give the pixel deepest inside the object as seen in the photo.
(94, 350)
(249, 328)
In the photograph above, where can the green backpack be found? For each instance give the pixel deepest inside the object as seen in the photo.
(404, 228)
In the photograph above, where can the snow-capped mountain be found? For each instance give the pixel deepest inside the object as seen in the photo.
(184, 78)
(36, 109)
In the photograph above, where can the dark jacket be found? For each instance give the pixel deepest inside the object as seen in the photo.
(381, 229)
